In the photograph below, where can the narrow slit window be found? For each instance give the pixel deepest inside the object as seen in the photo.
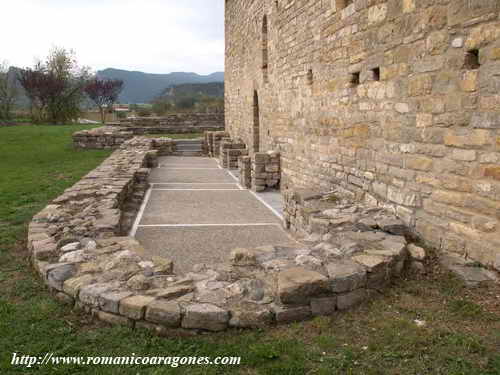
(310, 77)
(376, 74)
(472, 59)
(355, 79)
(265, 53)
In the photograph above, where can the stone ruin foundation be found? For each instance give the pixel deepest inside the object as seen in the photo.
(79, 245)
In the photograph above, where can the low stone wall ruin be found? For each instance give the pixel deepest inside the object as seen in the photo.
(213, 141)
(266, 171)
(105, 137)
(113, 137)
(229, 152)
(178, 123)
(80, 248)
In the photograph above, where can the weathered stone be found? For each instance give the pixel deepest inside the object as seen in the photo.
(70, 247)
(308, 261)
(114, 319)
(73, 286)
(74, 257)
(162, 266)
(250, 316)
(467, 270)
(298, 285)
(346, 276)
(392, 225)
(58, 275)
(394, 245)
(291, 314)
(110, 301)
(135, 306)
(91, 294)
(372, 263)
(416, 252)
(175, 291)
(323, 306)
(138, 282)
(417, 267)
(347, 300)
(205, 316)
(164, 312)
(243, 257)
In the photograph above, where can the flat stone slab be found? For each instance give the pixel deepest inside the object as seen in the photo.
(205, 207)
(188, 246)
(470, 273)
(194, 186)
(159, 175)
(187, 161)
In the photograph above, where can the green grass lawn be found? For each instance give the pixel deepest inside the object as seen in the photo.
(461, 335)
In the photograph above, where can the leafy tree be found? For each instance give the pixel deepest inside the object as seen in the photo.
(161, 107)
(8, 92)
(185, 102)
(55, 87)
(104, 93)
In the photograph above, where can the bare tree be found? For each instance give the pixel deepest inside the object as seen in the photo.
(8, 92)
(104, 93)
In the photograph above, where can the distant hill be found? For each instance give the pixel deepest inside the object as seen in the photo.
(144, 87)
(213, 89)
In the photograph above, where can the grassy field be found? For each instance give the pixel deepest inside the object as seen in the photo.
(461, 334)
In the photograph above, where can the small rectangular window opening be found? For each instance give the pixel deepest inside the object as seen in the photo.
(472, 59)
(355, 79)
(310, 77)
(376, 74)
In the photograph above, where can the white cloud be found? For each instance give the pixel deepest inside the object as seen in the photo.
(157, 36)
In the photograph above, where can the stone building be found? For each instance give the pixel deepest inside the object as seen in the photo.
(396, 101)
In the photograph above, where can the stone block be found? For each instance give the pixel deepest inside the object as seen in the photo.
(372, 263)
(59, 274)
(251, 317)
(114, 319)
(346, 276)
(298, 285)
(110, 301)
(175, 291)
(72, 286)
(135, 306)
(347, 300)
(323, 306)
(291, 314)
(164, 312)
(416, 252)
(91, 294)
(243, 257)
(205, 316)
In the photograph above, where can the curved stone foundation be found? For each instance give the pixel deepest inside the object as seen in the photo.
(80, 248)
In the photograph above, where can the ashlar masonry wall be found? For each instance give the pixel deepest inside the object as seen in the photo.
(396, 101)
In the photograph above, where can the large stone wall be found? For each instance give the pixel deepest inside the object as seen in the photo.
(396, 101)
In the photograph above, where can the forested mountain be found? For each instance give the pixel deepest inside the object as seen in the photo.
(144, 87)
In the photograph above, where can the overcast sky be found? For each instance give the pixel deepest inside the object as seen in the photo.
(154, 36)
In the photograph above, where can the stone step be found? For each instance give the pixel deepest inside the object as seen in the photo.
(189, 141)
(188, 153)
(189, 147)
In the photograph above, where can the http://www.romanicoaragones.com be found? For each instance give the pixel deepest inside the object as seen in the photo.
(28, 361)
